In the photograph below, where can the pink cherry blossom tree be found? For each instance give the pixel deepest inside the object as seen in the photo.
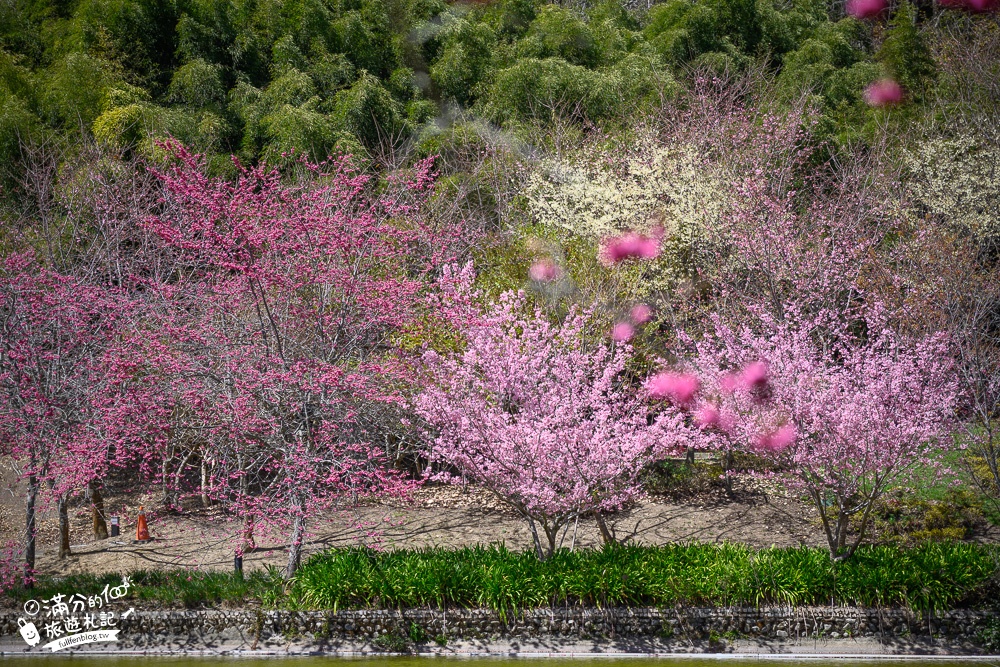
(56, 333)
(84, 221)
(543, 417)
(841, 416)
(798, 349)
(276, 334)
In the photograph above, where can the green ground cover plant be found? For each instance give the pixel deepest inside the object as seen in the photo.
(940, 575)
(176, 587)
(931, 576)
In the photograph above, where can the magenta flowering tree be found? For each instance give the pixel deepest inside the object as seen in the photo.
(56, 335)
(841, 416)
(542, 417)
(275, 336)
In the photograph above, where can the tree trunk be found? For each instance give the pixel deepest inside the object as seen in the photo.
(295, 547)
(831, 540)
(727, 466)
(176, 491)
(205, 500)
(552, 536)
(609, 539)
(63, 505)
(842, 525)
(534, 536)
(576, 524)
(97, 511)
(165, 479)
(29, 521)
(248, 544)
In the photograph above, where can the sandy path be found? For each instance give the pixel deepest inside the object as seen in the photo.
(435, 517)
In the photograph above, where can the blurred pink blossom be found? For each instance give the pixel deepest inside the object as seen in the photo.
(778, 440)
(978, 6)
(678, 387)
(628, 245)
(983, 5)
(729, 383)
(884, 92)
(622, 332)
(544, 270)
(865, 9)
(707, 416)
(641, 313)
(754, 375)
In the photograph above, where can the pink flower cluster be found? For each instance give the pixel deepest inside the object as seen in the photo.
(639, 315)
(629, 246)
(866, 9)
(883, 93)
(677, 387)
(545, 270)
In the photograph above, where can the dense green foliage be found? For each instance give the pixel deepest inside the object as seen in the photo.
(932, 576)
(171, 588)
(264, 78)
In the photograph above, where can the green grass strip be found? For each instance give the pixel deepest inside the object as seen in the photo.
(932, 576)
(939, 576)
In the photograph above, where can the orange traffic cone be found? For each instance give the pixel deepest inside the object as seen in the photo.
(141, 529)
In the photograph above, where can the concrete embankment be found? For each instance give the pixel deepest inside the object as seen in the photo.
(561, 631)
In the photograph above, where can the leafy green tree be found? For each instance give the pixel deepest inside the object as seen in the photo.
(830, 64)
(682, 30)
(330, 72)
(298, 130)
(18, 118)
(198, 84)
(19, 27)
(539, 90)
(615, 31)
(75, 87)
(365, 37)
(368, 111)
(783, 30)
(139, 35)
(511, 18)
(466, 57)
(292, 99)
(905, 53)
(543, 90)
(557, 32)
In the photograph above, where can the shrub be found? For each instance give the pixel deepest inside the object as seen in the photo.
(956, 179)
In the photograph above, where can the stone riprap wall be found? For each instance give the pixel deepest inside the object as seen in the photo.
(257, 627)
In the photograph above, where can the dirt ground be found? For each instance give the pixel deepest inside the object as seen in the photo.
(435, 516)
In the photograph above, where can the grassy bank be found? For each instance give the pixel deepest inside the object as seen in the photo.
(931, 576)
